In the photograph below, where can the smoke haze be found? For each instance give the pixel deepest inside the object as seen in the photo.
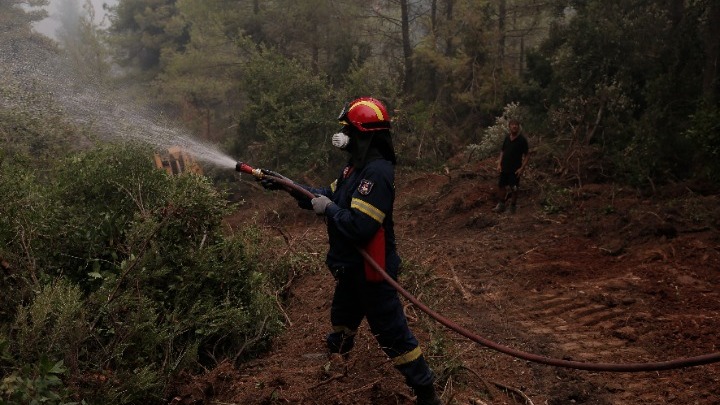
(50, 25)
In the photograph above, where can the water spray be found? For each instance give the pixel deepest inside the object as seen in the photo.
(36, 79)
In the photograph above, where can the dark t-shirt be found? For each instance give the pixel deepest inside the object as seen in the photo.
(513, 152)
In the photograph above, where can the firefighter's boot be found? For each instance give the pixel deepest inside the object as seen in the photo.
(500, 207)
(426, 395)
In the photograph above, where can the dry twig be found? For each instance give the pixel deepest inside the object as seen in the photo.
(280, 307)
(455, 278)
(356, 390)
(514, 391)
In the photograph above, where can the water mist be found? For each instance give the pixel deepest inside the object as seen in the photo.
(31, 73)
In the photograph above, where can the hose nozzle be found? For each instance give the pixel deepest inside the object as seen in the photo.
(246, 168)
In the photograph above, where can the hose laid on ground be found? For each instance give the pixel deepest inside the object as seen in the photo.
(610, 367)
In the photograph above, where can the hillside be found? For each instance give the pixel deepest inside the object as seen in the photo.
(597, 273)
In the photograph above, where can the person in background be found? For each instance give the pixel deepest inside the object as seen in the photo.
(358, 207)
(511, 164)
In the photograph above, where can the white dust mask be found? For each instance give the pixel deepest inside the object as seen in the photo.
(340, 140)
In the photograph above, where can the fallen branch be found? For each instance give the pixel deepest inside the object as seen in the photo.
(406, 308)
(280, 307)
(248, 342)
(356, 390)
(328, 380)
(466, 296)
(504, 387)
(482, 380)
(515, 391)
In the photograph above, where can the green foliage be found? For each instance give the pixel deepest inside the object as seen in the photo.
(17, 20)
(289, 117)
(368, 79)
(101, 191)
(53, 323)
(201, 78)
(615, 80)
(25, 218)
(36, 137)
(36, 384)
(39, 383)
(142, 30)
(415, 140)
(142, 385)
(439, 351)
(83, 41)
(119, 267)
(447, 363)
(624, 75)
(493, 137)
(325, 38)
(704, 134)
(556, 199)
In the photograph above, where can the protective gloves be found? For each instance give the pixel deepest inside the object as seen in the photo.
(320, 204)
(269, 183)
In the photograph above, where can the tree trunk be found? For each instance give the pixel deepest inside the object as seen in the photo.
(449, 47)
(521, 61)
(502, 17)
(434, 28)
(407, 49)
(445, 95)
(711, 84)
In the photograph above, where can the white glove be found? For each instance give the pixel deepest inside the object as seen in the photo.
(340, 140)
(320, 204)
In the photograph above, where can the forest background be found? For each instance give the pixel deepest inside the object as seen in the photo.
(98, 310)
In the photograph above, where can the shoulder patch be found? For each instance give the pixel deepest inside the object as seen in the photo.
(365, 187)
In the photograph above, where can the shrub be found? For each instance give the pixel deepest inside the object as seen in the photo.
(126, 275)
(289, 118)
(35, 384)
(492, 140)
(704, 134)
(53, 323)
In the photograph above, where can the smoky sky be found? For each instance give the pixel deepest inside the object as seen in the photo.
(50, 25)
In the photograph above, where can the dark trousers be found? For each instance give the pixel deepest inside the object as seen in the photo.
(355, 299)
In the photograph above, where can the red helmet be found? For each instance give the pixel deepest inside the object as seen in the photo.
(365, 114)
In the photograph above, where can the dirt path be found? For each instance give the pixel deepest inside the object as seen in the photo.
(612, 277)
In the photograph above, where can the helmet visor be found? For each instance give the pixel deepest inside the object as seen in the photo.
(342, 117)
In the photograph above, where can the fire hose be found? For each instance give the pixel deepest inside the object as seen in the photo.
(608, 367)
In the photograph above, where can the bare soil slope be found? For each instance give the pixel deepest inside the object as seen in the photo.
(595, 273)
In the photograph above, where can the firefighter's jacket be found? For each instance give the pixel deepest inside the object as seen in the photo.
(362, 215)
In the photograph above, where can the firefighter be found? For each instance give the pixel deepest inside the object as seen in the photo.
(358, 207)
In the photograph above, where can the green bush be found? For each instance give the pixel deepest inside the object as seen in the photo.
(704, 134)
(289, 118)
(125, 274)
(53, 323)
(556, 199)
(35, 384)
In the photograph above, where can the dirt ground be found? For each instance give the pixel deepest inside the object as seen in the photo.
(591, 273)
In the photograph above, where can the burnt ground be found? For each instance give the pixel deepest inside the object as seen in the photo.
(592, 273)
